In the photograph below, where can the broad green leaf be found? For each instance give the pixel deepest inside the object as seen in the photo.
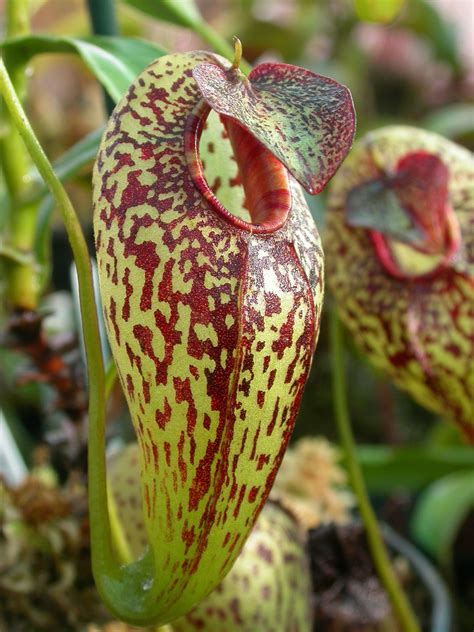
(410, 468)
(180, 12)
(440, 512)
(115, 61)
(378, 10)
(423, 17)
(78, 155)
(4, 202)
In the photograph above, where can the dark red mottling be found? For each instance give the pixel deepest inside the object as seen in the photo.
(415, 324)
(306, 120)
(209, 305)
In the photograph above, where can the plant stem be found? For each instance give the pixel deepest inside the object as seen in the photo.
(12, 150)
(20, 221)
(119, 539)
(17, 18)
(23, 276)
(219, 44)
(14, 162)
(377, 547)
(104, 22)
(99, 518)
(103, 17)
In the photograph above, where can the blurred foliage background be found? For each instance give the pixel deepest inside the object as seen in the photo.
(416, 70)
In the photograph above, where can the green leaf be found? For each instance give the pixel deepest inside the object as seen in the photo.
(73, 160)
(180, 12)
(78, 155)
(115, 61)
(378, 10)
(185, 13)
(452, 121)
(426, 20)
(410, 468)
(66, 167)
(440, 512)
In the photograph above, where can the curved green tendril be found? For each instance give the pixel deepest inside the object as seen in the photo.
(382, 563)
(126, 590)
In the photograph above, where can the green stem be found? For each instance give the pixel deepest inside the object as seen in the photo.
(104, 22)
(219, 43)
(377, 547)
(14, 162)
(22, 278)
(97, 476)
(12, 150)
(103, 17)
(17, 18)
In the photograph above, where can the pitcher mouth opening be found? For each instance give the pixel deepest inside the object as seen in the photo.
(404, 261)
(264, 179)
(408, 216)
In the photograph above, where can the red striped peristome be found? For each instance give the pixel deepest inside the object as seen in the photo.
(212, 322)
(408, 298)
(420, 181)
(264, 178)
